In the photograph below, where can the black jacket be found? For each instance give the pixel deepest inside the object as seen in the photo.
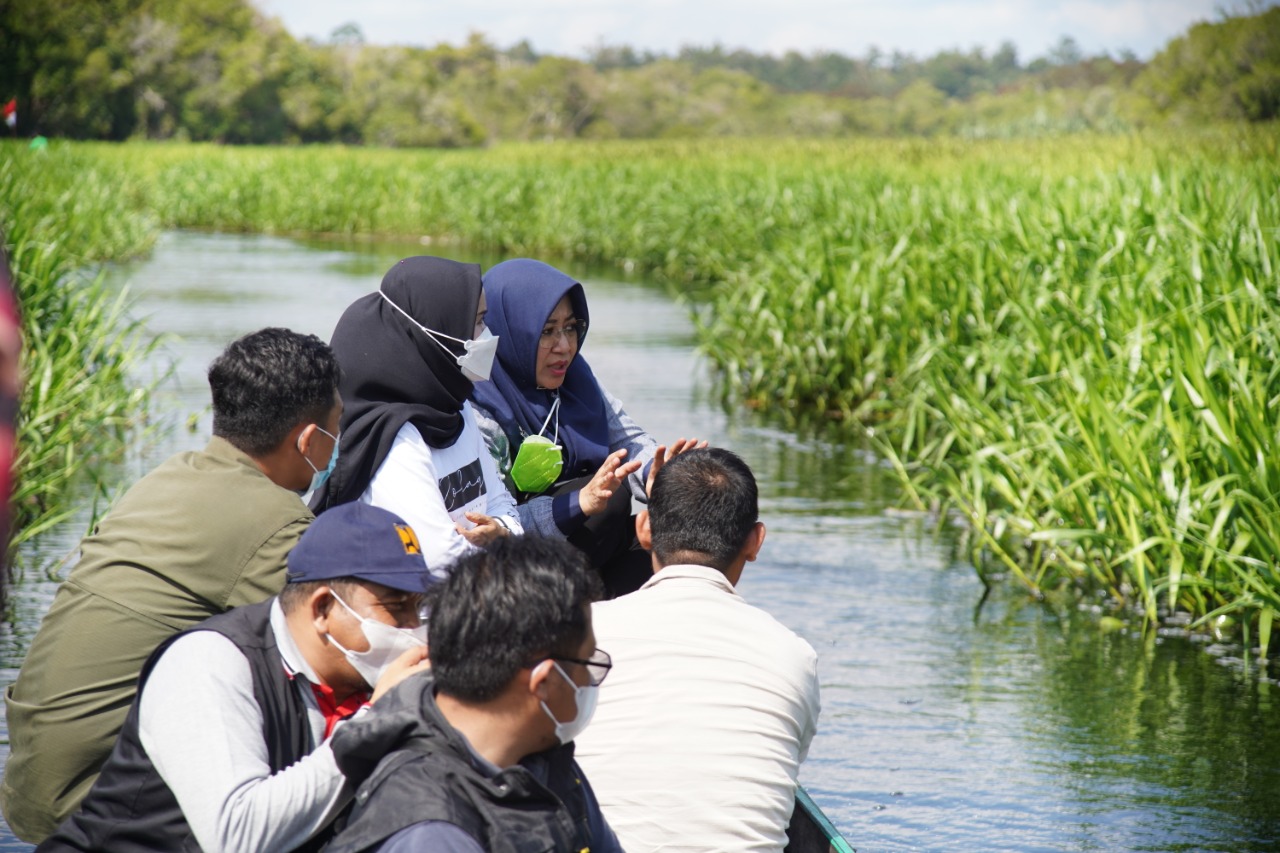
(429, 774)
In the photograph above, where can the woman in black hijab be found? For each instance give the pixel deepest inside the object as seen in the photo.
(409, 442)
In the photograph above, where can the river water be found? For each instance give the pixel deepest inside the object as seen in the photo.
(947, 724)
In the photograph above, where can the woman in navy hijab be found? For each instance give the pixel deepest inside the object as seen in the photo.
(541, 386)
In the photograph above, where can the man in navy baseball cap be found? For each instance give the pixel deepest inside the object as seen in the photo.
(361, 541)
(227, 746)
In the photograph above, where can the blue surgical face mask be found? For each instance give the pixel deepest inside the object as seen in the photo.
(320, 476)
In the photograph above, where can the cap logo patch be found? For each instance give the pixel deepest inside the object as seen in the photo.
(408, 538)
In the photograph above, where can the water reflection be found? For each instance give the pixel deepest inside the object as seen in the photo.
(944, 727)
(1181, 736)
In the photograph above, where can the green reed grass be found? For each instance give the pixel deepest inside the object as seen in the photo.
(1083, 361)
(1071, 341)
(79, 344)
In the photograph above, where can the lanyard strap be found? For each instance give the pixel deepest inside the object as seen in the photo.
(555, 410)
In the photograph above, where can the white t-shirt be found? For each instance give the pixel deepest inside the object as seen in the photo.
(433, 488)
(704, 719)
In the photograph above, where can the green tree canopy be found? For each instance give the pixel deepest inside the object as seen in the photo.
(219, 70)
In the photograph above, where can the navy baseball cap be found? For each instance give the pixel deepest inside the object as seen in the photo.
(362, 541)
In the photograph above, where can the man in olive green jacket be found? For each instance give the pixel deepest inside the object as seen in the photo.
(204, 532)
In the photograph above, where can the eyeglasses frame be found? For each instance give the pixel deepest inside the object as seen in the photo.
(548, 341)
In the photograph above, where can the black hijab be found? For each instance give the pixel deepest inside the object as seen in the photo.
(394, 373)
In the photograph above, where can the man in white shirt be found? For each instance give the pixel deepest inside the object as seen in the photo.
(227, 746)
(712, 703)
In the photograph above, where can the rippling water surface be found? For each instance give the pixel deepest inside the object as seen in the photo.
(946, 725)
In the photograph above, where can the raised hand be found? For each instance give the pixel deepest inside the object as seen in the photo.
(594, 496)
(412, 662)
(663, 453)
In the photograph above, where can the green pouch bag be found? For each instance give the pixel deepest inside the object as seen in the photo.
(538, 464)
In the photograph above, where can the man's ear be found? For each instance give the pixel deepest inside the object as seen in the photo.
(320, 605)
(301, 435)
(538, 679)
(644, 535)
(755, 542)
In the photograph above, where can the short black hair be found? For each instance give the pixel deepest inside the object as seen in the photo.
(703, 507)
(503, 608)
(266, 383)
(294, 594)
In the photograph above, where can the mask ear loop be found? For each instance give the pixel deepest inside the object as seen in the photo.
(434, 335)
(533, 673)
(555, 410)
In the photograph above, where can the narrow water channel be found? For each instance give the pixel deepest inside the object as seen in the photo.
(945, 725)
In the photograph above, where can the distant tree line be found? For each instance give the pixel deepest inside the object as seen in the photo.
(220, 70)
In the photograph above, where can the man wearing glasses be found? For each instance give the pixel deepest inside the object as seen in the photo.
(479, 757)
(699, 737)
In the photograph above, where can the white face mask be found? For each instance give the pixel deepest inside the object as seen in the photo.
(585, 698)
(386, 643)
(477, 362)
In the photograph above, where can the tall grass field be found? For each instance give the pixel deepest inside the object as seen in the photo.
(1071, 341)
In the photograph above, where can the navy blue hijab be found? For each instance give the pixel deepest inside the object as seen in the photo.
(521, 294)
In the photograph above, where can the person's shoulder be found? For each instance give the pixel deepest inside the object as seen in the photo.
(408, 441)
(204, 641)
(610, 400)
(247, 498)
(629, 617)
(613, 608)
(769, 632)
(408, 434)
(179, 466)
(219, 461)
(470, 420)
(199, 656)
(492, 404)
(218, 490)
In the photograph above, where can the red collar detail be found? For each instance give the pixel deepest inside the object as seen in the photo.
(334, 711)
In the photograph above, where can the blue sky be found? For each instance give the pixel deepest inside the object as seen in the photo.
(918, 27)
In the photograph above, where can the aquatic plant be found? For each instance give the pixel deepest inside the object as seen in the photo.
(1079, 354)
(78, 398)
(1071, 341)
